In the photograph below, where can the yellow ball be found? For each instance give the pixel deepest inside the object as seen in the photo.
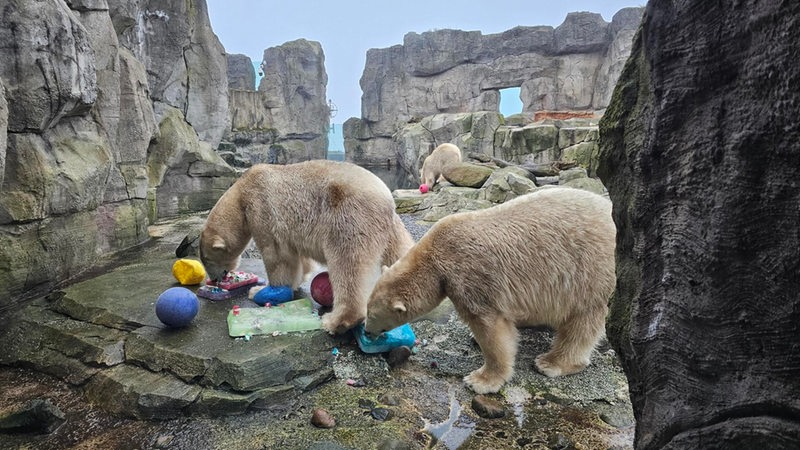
(188, 271)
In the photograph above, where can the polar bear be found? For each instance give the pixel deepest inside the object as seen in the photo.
(334, 213)
(434, 164)
(545, 258)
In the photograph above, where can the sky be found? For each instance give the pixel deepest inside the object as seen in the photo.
(346, 29)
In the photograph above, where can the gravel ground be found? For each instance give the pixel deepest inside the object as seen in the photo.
(414, 226)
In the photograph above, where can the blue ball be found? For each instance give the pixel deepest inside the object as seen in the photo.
(274, 295)
(177, 306)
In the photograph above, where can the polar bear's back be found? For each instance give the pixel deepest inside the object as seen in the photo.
(541, 256)
(307, 203)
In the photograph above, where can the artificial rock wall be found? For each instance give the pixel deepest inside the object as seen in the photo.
(93, 90)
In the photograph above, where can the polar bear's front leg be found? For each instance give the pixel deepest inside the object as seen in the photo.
(352, 281)
(497, 338)
(287, 271)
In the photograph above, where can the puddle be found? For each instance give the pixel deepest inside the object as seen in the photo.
(517, 396)
(454, 431)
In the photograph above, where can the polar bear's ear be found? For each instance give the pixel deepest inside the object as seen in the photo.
(218, 243)
(399, 307)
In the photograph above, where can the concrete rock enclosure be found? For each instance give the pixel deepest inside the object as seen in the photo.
(266, 126)
(699, 151)
(571, 67)
(88, 87)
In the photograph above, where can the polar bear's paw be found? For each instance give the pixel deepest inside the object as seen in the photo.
(339, 323)
(483, 383)
(553, 369)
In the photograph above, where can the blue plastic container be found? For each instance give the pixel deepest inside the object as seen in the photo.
(398, 337)
(274, 295)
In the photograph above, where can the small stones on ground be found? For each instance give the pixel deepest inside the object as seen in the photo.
(389, 399)
(393, 444)
(398, 355)
(381, 413)
(356, 383)
(321, 418)
(164, 440)
(559, 441)
(365, 403)
(488, 408)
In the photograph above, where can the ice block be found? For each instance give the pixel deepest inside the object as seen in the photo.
(400, 336)
(297, 315)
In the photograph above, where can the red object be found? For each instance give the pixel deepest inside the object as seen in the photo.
(235, 310)
(321, 289)
(423, 188)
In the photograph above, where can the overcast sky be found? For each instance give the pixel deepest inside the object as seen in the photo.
(348, 28)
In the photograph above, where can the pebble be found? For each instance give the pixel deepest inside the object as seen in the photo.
(559, 441)
(398, 355)
(321, 418)
(164, 440)
(381, 413)
(366, 403)
(389, 400)
(488, 408)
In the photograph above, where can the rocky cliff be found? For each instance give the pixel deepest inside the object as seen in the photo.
(287, 119)
(571, 67)
(92, 92)
(701, 159)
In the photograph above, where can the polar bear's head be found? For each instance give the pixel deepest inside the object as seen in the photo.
(216, 256)
(387, 307)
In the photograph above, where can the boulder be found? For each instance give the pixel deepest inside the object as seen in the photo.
(184, 173)
(467, 174)
(699, 153)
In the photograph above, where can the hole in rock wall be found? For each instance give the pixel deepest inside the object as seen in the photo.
(510, 102)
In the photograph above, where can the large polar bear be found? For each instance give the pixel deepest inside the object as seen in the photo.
(546, 258)
(334, 213)
(434, 164)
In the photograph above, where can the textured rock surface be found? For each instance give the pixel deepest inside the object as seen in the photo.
(700, 156)
(287, 119)
(186, 64)
(241, 73)
(77, 114)
(573, 66)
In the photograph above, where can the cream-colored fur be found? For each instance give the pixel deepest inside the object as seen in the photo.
(434, 164)
(334, 213)
(546, 258)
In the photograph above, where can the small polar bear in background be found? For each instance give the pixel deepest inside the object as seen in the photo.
(434, 164)
(545, 258)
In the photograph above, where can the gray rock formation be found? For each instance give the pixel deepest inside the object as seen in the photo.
(185, 62)
(287, 119)
(543, 142)
(700, 156)
(77, 120)
(241, 74)
(571, 67)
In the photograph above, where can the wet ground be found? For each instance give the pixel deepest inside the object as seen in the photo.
(421, 403)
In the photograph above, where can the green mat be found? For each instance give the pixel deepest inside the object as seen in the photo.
(297, 315)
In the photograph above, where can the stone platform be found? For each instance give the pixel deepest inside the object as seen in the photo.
(103, 333)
